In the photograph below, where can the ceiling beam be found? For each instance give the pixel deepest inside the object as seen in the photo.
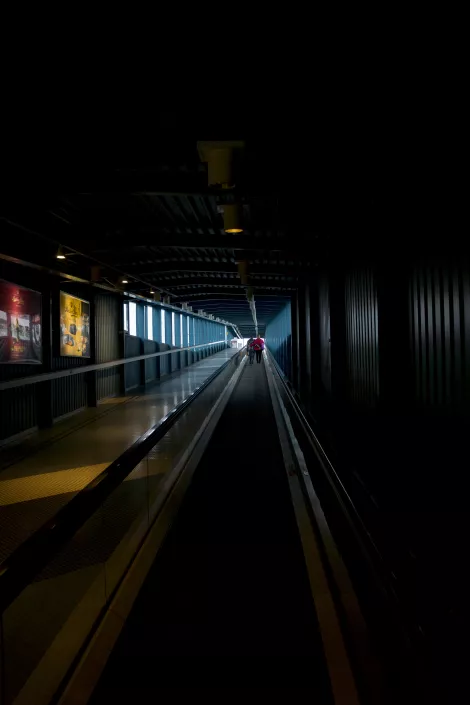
(187, 294)
(148, 237)
(168, 268)
(261, 280)
(200, 278)
(193, 281)
(240, 305)
(266, 298)
(201, 265)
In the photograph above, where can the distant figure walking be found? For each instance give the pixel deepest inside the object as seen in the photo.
(258, 346)
(250, 350)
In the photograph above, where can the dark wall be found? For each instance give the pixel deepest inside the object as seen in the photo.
(69, 394)
(150, 346)
(393, 333)
(35, 405)
(25, 408)
(278, 338)
(406, 335)
(132, 348)
(324, 353)
(17, 410)
(392, 408)
(108, 328)
(362, 341)
(439, 324)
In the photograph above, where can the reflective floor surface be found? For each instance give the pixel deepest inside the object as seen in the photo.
(37, 486)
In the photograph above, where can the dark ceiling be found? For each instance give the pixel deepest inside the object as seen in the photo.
(160, 227)
(145, 212)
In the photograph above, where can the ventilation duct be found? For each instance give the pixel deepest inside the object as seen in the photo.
(242, 266)
(219, 155)
(233, 218)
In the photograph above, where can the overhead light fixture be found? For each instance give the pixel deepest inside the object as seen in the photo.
(152, 291)
(60, 254)
(124, 281)
(232, 219)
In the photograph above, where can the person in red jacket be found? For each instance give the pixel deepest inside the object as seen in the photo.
(258, 347)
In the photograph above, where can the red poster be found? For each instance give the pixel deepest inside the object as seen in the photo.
(20, 325)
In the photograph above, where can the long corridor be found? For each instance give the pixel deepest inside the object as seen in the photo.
(227, 606)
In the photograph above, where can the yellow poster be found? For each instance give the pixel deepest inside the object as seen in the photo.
(74, 326)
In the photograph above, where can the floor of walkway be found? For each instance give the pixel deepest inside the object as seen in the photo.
(226, 609)
(35, 487)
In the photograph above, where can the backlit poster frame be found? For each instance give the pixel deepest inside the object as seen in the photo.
(20, 325)
(74, 326)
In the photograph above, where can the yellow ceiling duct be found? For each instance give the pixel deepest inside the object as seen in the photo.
(219, 157)
(232, 218)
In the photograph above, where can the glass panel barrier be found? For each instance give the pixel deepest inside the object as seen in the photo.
(48, 624)
(44, 628)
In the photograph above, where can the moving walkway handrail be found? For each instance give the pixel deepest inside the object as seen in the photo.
(328, 468)
(363, 537)
(83, 369)
(20, 568)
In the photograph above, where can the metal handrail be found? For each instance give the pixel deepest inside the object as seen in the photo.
(46, 376)
(328, 467)
(367, 545)
(329, 471)
(20, 568)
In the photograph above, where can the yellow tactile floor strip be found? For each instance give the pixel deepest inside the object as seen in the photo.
(24, 489)
(49, 484)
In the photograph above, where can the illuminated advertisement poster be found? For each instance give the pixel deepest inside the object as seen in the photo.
(20, 325)
(74, 326)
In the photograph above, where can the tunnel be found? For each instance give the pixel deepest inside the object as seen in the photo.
(234, 392)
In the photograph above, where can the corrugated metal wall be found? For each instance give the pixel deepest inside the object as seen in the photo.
(439, 314)
(69, 394)
(18, 410)
(362, 343)
(405, 325)
(279, 338)
(107, 330)
(324, 333)
(150, 365)
(18, 406)
(132, 348)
